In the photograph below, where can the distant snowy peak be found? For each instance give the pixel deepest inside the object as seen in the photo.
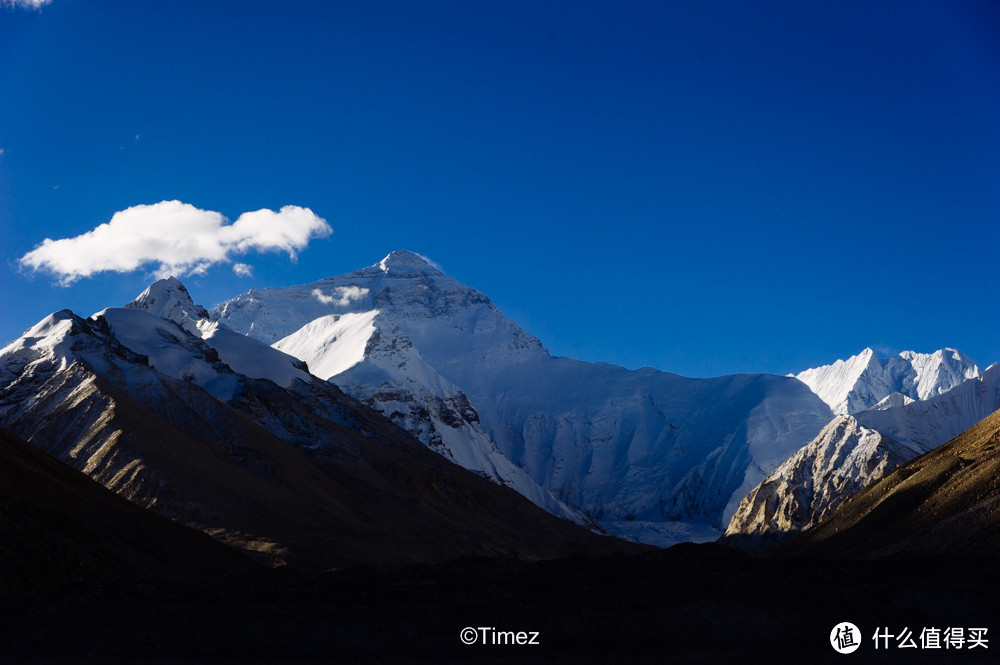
(169, 299)
(854, 451)
(926, 424)
(866, 380)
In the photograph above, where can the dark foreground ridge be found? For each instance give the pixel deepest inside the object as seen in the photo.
(688, 604)
(58, 527)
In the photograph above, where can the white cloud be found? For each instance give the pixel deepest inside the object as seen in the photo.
(243, 270)
(176, 238)
(25, 4)
(343, 295)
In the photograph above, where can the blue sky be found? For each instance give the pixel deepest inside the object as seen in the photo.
(703, 187)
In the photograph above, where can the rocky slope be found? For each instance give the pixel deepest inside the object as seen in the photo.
(653, 455)
(813, 482)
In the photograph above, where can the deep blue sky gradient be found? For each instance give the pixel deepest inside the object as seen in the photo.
(703, 187)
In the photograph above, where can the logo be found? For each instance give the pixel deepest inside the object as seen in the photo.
(845, 637)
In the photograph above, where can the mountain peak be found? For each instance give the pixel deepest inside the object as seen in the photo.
(405, 262)
(862, 381)
(169, 299)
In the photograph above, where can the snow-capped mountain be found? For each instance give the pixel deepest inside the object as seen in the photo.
(853, 452)
(863, 381)
(275, 460)
(380, 366)
(652, 455)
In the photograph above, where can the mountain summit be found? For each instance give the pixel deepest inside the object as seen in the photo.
(169, 299)
(650, 455)
(405, 262)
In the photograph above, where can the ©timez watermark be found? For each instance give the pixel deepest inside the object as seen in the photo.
(489, 636)
(847, 638)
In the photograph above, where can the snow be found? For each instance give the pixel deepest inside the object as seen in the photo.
(50, 339)
(926, 424)
(394, 379)
(171, 350)
(862, 381)
(768, 429)
(331, 344)
(894, 400)
(405, 262)
(250, 357)
(169, 299)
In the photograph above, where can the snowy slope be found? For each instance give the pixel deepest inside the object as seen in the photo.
(172, 350)
(394, 379)
(862, 381)
(140, 322)
(331, 344)
(627, 447)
